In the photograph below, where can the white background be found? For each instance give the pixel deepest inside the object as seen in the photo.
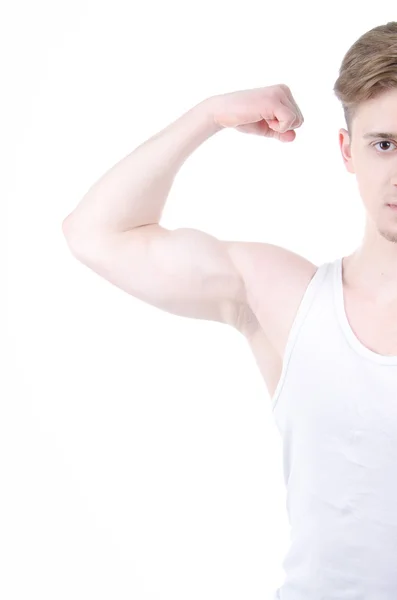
(139, 458)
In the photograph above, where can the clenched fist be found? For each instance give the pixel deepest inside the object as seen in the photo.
(269, 111)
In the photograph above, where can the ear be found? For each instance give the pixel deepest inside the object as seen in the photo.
(345, 148)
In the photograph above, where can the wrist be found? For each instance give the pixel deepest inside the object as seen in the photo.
(208, 108)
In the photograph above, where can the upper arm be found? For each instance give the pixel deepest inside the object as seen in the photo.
(190, 273)
(185, 271)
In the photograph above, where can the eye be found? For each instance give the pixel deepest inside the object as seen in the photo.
(385, 142)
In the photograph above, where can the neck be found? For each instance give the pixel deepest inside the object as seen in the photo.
(374, 273)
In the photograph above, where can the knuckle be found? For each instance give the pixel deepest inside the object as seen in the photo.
(284, 87)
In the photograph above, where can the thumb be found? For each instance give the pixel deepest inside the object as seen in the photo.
(280, 131)
(286, 136)
(279, 126)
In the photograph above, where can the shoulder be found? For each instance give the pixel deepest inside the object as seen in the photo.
(275, 280)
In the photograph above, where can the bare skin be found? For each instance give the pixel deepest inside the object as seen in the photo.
(254, 287)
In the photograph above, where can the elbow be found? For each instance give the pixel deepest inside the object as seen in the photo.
(67, 225)
(71, 236)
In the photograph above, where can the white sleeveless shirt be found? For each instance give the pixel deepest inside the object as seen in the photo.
(335, 407)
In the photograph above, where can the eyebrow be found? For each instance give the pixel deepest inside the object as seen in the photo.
(382, 135)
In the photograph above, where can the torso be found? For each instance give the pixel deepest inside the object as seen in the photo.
(267, 358)
(267, 343)
(376, 329)
(374, 324)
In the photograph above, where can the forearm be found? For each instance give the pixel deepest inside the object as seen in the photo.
(134, 191)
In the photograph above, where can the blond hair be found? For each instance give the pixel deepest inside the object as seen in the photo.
(368, 69)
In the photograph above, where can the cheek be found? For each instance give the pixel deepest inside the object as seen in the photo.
(368, 186)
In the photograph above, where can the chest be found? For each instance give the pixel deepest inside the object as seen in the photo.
(373, 324)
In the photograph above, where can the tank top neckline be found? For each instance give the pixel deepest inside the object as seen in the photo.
(345, 325)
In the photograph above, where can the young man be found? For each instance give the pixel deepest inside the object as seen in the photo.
(324, 337)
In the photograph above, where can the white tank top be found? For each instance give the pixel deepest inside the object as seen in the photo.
(336, 409)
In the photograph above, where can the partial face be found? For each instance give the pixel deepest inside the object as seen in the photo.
(373, 159)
